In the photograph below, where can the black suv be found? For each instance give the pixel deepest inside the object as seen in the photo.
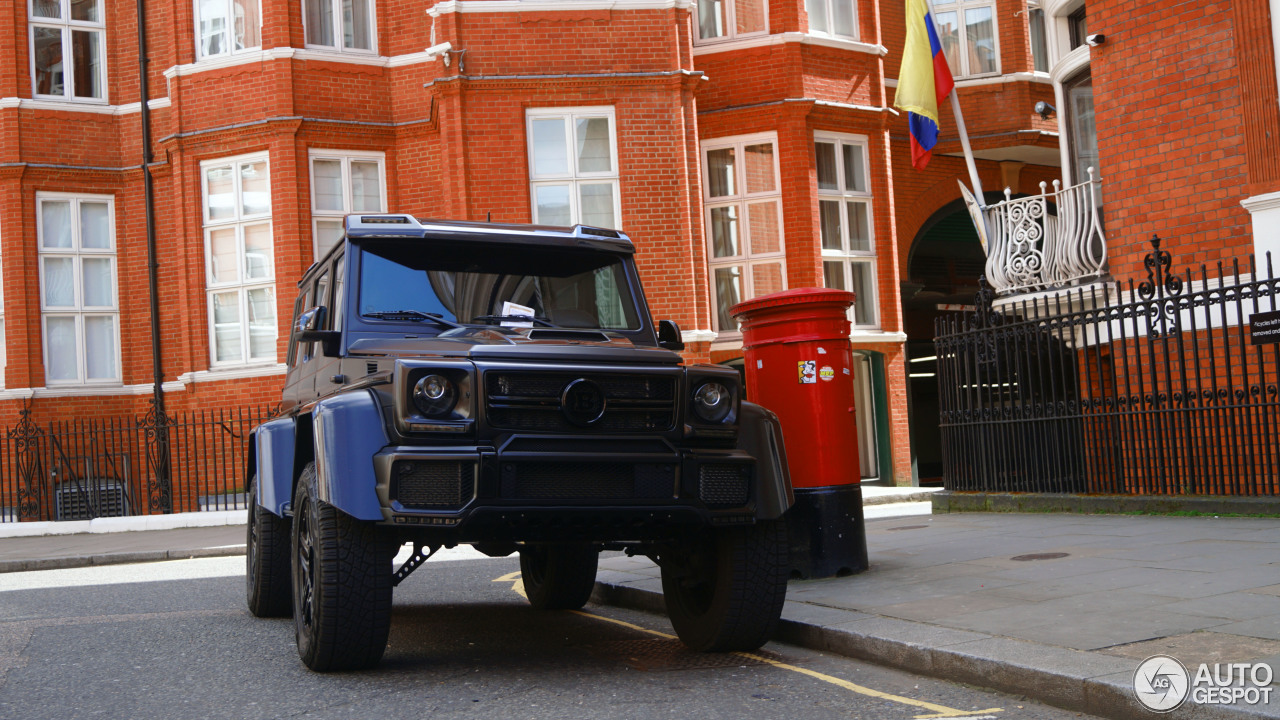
(503, 386)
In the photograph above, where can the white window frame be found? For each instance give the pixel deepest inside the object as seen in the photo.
(731, 24)
(67, 26)
(573, 177)
(345, 157)
(78, 310)
(1046, 27)
(846, 255)
(338, 33)
(242, 286)
(228, 34)
(745, 259)
(960, 7)
(828, 9)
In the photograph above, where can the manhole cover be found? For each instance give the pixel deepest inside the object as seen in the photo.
(1039, 556)
(907, 527)
(654, 655)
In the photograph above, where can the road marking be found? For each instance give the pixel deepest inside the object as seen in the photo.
(516, 583)
(938, 711)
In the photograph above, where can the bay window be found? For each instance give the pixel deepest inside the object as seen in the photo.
(836, 18)
(845, 222)
(573, 166)
(227, 26)
(239, 260)
(343, 25)
(728, 19)
(743, 222)
(967, 31)
(79, 305)
(68, 49)
(343, 182)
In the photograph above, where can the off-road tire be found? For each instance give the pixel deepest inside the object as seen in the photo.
(341, 584)
(725, 590)
(267, 549)
(560, 576)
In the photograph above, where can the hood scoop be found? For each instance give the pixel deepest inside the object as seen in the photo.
(567, 335)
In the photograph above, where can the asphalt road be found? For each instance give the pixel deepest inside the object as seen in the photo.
(174, 640)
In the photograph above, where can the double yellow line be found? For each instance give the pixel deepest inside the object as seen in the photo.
(935, 710)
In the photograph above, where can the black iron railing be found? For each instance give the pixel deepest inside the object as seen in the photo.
(146, 465)
(1153, 388)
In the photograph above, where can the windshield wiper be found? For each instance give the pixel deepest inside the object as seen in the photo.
(415, 315)
(513, 318)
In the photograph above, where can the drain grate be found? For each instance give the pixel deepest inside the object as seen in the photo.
(1039, 556)
(654, 655)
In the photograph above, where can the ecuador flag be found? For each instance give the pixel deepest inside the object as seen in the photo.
(923, 81)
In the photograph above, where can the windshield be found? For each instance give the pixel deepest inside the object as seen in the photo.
(480, 283)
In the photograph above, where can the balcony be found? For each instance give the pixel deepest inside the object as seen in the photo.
(1042, 242)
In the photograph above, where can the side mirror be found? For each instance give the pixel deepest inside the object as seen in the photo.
(669, 336)
(308, 329)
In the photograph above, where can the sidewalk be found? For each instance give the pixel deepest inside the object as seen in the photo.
(1060, 608)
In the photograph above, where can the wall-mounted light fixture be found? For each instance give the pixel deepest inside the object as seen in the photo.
(1095, 40)
(1045, 110)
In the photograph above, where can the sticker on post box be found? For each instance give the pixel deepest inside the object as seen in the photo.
(827, 373)
(808, 371)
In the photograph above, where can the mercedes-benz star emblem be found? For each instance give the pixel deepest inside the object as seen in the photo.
(582, 402)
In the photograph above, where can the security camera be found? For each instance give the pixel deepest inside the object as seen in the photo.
(1095, 40)
(1045, 110)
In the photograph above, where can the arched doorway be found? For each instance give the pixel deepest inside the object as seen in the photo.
(943, 267)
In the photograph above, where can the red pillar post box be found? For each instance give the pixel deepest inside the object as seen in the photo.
(799, 364)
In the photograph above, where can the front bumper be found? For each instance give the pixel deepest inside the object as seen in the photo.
(608, 489)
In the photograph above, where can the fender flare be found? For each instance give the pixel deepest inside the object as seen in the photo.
(760, 435)
(348, 431)
(272, 459)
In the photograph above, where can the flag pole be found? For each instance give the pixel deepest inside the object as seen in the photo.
(960, 129)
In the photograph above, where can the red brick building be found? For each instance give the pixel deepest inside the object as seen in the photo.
(746, 146)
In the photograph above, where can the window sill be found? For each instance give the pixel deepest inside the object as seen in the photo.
(234, 372)
(707, 47)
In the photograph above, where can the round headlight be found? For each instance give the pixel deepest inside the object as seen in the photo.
(712, 402)
(435, 395)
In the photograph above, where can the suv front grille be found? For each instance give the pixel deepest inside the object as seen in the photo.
(530, 401)
(433, 484)
(724, 484)
(588, 481)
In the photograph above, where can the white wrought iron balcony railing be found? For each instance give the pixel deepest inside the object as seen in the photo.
(1044, 241)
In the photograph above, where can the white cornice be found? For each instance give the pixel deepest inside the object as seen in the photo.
(289, 53)
(1260, 203)
(789, 37)
(876, 336)
(178, 385)
(695, 336)
(849, 106)
(238, 373)
(63, 391)
(54, 105)
(1069, 64)
(519, 6)
(1036, 77)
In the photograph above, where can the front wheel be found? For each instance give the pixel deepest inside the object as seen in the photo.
(725, 589)
(558, 577)
(341, 584)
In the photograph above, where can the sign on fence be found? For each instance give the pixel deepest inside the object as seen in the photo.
(1264, 328)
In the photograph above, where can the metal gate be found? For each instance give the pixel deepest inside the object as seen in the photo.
(1153, 388)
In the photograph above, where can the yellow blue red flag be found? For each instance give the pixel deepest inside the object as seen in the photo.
(923, 82)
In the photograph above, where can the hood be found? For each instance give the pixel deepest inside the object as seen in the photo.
(513, 345)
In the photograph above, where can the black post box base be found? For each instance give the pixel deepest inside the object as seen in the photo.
(827, 533)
